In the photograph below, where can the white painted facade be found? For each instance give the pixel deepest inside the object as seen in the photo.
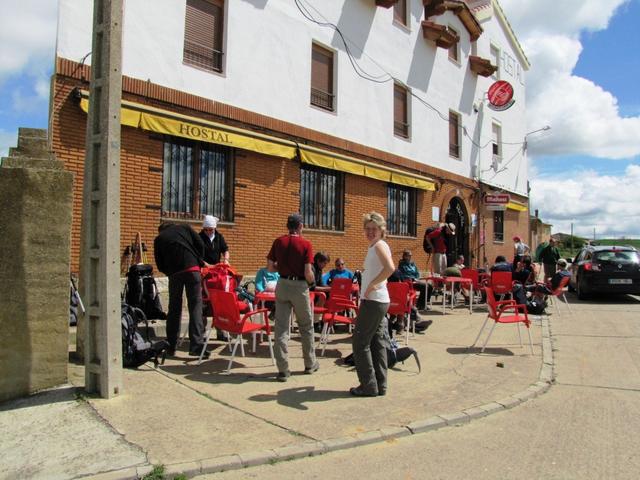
(267, 68)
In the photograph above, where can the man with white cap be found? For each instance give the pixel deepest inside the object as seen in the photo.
(439, 239)
(214, 244)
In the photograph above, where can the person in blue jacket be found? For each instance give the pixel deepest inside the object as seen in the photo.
(267, 278)
(407, 270)
(339, 272)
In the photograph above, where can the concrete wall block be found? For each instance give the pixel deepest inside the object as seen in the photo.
(35, 228)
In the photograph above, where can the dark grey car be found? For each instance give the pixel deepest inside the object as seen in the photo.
(605, 269)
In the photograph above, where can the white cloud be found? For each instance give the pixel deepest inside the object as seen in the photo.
(607, 202)
(585, 118)
(27, 36)
(7, 140)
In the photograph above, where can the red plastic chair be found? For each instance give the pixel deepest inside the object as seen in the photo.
(402, 298)
(501, 283)
(479, 282)
(224, 278)
(498, 313)
(337, 313)
(559, 292)
(341, 288)
(226, 317)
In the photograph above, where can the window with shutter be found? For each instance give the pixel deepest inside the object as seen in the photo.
(400, 12)
(454, 134)
(454, 53)
(203, 34)
(400, 111)
(322, 78)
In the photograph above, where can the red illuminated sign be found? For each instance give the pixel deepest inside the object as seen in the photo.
(500, 95)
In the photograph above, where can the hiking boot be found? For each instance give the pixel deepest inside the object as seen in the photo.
(359, 392)
(312, 369)
(283, 376)
(195, 352)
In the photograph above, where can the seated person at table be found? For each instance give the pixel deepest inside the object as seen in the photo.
(524, 273)
(501, 265)
(267, 278)
(320, 260)
(455, 271)
(266, 281)
(550, 286)
(459, 262)
(339, 272)
(407, 270)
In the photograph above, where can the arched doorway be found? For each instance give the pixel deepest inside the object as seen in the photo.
(459, 243)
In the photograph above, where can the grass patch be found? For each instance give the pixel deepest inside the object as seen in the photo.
(158, 474)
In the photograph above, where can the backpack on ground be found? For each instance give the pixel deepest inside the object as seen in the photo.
(427, 245)
(394, 355)
(141, 291)
(137, 349)
(536, 306)
(519, 294)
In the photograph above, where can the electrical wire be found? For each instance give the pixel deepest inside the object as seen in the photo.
(304, 10)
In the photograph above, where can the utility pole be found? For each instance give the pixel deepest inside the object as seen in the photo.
(572, 238)
(100, 247)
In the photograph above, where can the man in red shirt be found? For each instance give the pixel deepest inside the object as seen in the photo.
(292, 255)
(439, 239)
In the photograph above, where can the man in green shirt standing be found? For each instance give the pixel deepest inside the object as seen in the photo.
(549, 256)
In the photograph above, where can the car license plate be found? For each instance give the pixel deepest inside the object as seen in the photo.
(620, 281)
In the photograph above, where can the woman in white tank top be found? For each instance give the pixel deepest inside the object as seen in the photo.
(369, 347)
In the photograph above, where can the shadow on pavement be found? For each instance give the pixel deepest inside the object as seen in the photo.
(63, 394)
(476, 350)
(297, 397)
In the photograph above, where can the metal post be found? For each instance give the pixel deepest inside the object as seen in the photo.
(100, 248)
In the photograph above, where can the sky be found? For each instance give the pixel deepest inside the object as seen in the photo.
(583, 80)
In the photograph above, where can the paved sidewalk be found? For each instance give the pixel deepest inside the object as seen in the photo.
(195, 419)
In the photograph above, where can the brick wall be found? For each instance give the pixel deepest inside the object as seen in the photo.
(266, 191)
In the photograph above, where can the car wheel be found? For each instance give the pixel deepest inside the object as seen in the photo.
(582, 295)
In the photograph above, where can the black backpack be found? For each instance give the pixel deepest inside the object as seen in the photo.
(136, 348)
(394, 355)
(536, 306)
(141, 291)
(427, 246)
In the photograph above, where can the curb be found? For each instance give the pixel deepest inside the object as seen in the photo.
(320, 447)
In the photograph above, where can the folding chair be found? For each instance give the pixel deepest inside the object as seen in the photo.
(497, 310)
(226, 317)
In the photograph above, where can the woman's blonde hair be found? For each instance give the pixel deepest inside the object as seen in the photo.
(376, 218)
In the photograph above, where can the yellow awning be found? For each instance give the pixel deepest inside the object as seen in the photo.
(200, 130)
(518, 207)
(364, 169)
(160, 121)
(128, 117)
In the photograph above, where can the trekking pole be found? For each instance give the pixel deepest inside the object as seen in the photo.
(76, 294)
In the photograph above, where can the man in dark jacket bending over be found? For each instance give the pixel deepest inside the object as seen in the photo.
(179, 254)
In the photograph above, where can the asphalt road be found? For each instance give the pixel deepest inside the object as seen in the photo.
(585, 427)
